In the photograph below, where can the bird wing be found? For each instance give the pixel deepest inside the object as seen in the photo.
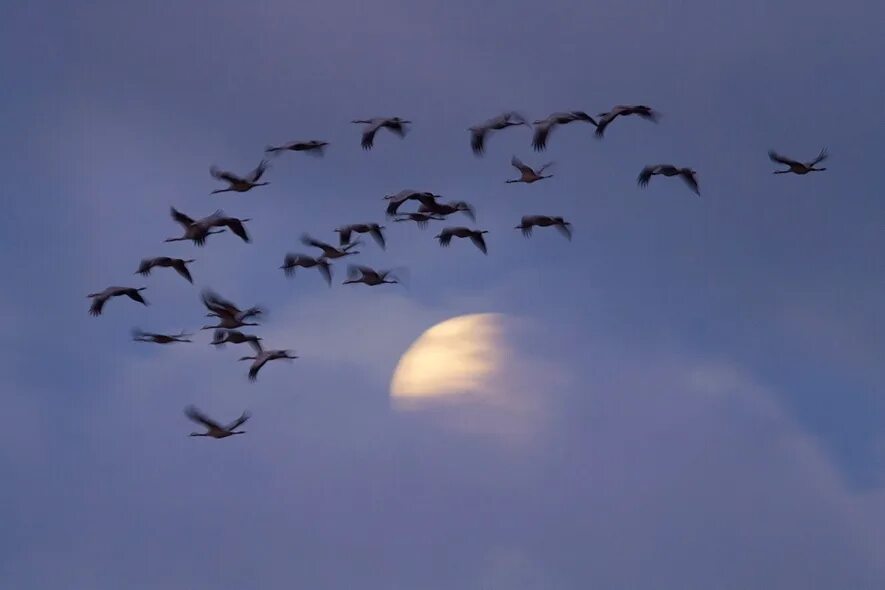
(309, 241)
(477, 140)
(645, 175)
(544, 167)
(539, 140)
(466, 208)
(564, 230)
(256, 174)
(225, 175)
(235, 225)
(238, 422)
(479, 242)
(378, 235)
(369, 132)
(181, 218)
(325, 270)
(517, 163)
(256, 366)
(604, 121)
(396, 126)
(344, 235)
(823, 155)
(217, 303)
(255, 343)
(445, 237)
(200, 418)
(134, 295)
(776, 157)
(181, 268)
(582, 116)
(691, 181)
(144, 268)
(98, 304)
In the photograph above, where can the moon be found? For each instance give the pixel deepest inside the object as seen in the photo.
(457, 359)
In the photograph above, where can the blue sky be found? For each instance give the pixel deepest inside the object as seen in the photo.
(704, 375)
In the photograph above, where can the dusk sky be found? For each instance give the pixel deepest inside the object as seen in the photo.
(688, 395)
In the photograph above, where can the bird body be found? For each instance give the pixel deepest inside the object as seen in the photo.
(543, 127)
(140, 336)
(621, 110)
(239, 184)
(394, 124)
(262, 357)
(687, 174)
(528, 175)
(798, 167)
(99, 299)
(373, 229)
(314, 147)
(530, 221)
(475, 236)
(478, 133)
(178, 264)
(214, 429)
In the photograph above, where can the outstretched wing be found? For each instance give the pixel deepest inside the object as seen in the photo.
(776, 157)
(478, 140)
(238, 422)
(517, 163)
(691, 181)
(645, 175)
(256, 174)
(479, 241)
(378, 235)
(326, 270)
(181, 268)
(134, 295)
(224, 175)
(309, 241)
(200, 418)
(235, 225)
(181, 218)
(445, 238)
(539, 140)
(823, 155)
(564, 229)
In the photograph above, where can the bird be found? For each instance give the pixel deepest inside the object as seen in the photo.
(641, 110)
(140, 336)
(434, 207)
(528, 174)
(313, 147)
(196, 231)
(239, 184)
(798, 167)
(529, 221)
(396, 200)
(100, 298)
(421, 219)
(369, 276)
(445, 237)
(394, 124)
(221, 337)
(234, 224)
(373, 229)
(178, 264)
(230, 315)
(214, 429)
(543, 127)
(330, 252)
(262, 356)
(478, 133)
(293, 261)
(687, 174)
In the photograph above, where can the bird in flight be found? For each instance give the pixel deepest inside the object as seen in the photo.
(239, 184)
(214, 429)
(394, 124)
(530, 221)
(140, 336)
(543, 127)
(373, 229)
(688, 175)
(478, 133)
(621, 110)
(180, 266)
(798, 167)
(528, 174)
(475, 235)
(313, 147)
(261, 358)
(369, 276)
(100, 298)
(292, 261)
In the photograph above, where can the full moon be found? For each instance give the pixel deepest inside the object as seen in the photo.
(452, 360)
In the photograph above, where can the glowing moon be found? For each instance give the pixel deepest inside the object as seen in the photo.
(453, 359)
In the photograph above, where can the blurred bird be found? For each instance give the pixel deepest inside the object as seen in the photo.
(262, 356)
(396, 200)
(373, 229)
(219, 219)
(798, 167)
(528, 174)
(446, 235)
(445, 209)
(621, 110)
(330, 252)
(530, 221)
(543, 127)
(313, 147)
(293, 261)
(221, 337)
(178, 264)
(230, 316)
(196, 231)
(369, 276)
(687, 174)
(421, 219)
(140, 336)
(239, 184)
(213, 429)
(100, 298)
(478, 133)
(394, 124)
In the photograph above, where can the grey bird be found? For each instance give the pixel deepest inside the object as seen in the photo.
(530, 221)
(687, 174)
(528, 174)
(394, 124)
(99, 299)
(798, 167)
(214, 429)
(236, 183)
(543, 127)
(621, 110)
(140, 336)
(179, 264)
(479, 133)
(475, 236)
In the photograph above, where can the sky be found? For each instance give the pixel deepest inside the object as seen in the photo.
(692, 386)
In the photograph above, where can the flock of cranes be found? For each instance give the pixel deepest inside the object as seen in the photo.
(231, 318)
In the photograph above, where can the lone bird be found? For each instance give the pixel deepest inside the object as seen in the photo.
(373, 229)
(369, 276)
(313, 147)
(214, 429)
(530, 221)
(798, 167)
(262, 356)
(140, 336)
(478, 133)
(195, 231)
(221, 337)
(621, 110)
(180, 266)
(420, 219)
(543, 127)
(446, 235)
(239, 184)
(687, 174)
(100, 298)
(394, 124)
(330, 252)
(293, 261)
(528, 174)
